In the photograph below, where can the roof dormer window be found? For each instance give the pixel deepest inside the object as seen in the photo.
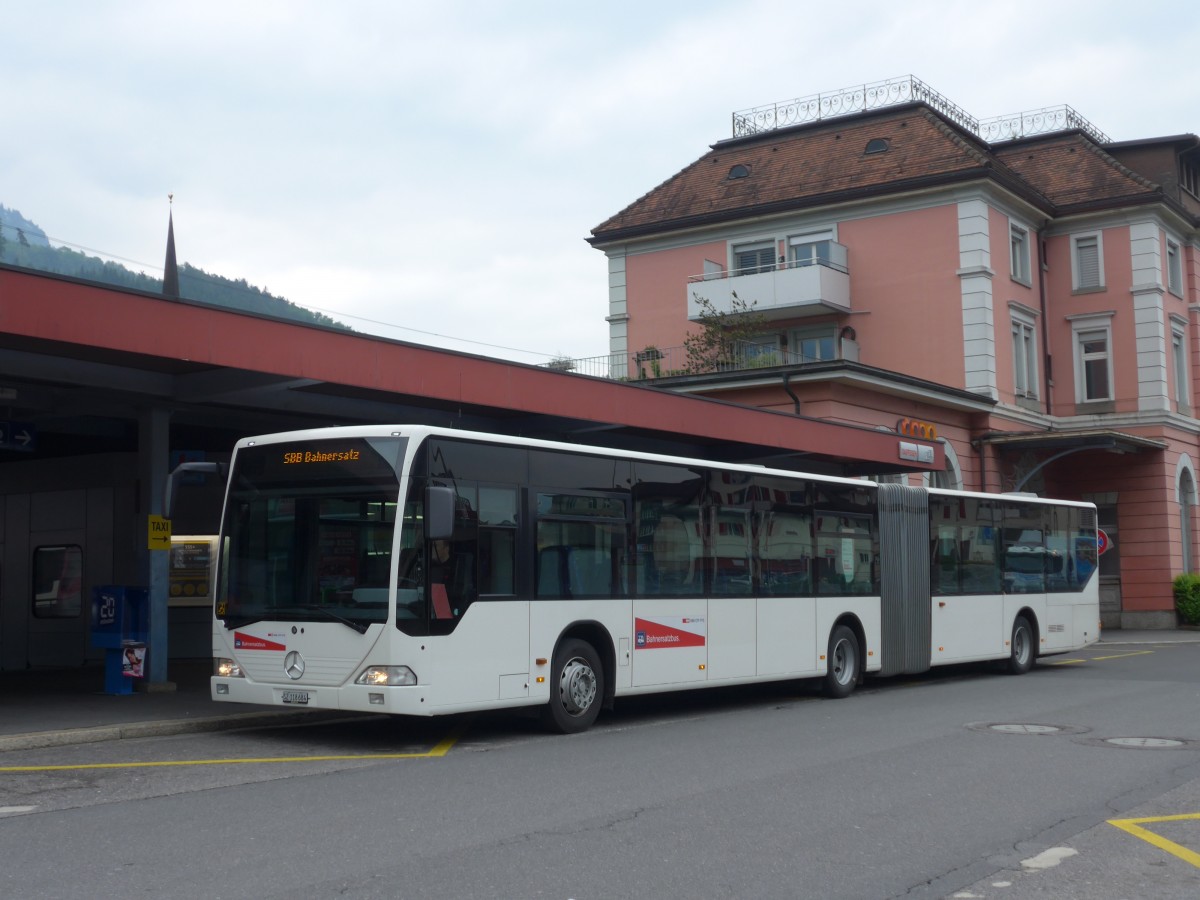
(738, 171)
(1189, 176)
(876, 145)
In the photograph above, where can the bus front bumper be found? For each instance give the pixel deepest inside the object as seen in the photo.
(406, 701)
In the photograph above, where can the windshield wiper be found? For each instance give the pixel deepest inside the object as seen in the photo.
(325, 611)
(232, 622)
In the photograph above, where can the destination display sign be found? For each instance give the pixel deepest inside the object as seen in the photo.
(357, 459)
(296, 457)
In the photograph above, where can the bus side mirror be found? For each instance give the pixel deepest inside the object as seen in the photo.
(439, 513)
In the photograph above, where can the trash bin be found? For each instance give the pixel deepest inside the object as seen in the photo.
(120, 626)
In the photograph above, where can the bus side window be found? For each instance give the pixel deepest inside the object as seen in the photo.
(410, 585)
(554, 572)
(411, 615)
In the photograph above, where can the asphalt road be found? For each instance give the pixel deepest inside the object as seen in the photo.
(963, 783)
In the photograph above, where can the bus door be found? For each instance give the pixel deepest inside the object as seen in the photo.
(670, 612)
(968, 606)
(1028, 566)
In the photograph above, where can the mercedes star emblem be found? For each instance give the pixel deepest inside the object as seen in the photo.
(293, 665)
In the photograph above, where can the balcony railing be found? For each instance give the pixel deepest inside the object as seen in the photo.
(785, 290)
(670, 362)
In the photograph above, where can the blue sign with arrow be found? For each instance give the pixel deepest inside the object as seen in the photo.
(18, 436)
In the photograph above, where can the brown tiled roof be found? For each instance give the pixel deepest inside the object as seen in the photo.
(826, 162)
(801, 166)
(1071, 170)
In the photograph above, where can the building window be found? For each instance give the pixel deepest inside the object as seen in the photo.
(1019, 253)
(1025, 368)
(1174, 268)
(58, 582)
(1179, 365)
(1187, 503)
(811, 249)
(1093, 364)
(1087, 269)
(751, 258)
(1189, 177)
(812, 344)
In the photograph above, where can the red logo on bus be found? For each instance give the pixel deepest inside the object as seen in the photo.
(249, 642)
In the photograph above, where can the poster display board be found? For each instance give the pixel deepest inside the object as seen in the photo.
(191, 569)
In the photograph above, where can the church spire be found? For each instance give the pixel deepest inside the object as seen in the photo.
(170, 286)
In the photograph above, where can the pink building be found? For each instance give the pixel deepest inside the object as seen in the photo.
(1023, 288)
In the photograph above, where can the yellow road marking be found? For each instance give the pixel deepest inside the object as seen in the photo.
(439, 750)
(1133, 826)
(1071, 662)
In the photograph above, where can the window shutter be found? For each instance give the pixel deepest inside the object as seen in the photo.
(761, 259)
(1174, 269)
(1087, 262)
(756, 261)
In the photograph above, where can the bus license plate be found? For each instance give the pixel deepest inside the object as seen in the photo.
(294, 697)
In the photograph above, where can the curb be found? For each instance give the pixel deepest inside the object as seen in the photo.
(165, 728)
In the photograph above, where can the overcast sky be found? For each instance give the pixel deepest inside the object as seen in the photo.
(430, 171)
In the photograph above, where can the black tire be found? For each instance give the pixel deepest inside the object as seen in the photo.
(576, 688)
(843, 659)
(1022, 651)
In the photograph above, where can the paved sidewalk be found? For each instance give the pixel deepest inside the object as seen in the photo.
(69, 706)
(47, 709)
(1173, 636)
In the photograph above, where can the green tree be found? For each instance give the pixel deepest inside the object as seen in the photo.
(723, 335)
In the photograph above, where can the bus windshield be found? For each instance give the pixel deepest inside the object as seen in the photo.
(307, 533)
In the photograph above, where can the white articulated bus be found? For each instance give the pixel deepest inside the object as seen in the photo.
(422, 571)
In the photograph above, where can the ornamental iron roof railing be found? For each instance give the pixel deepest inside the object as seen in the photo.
(1038, 121)
(907, 89)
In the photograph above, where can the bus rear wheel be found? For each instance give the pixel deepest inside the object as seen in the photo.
(1020, 657)
(576, 688)
(842, 673)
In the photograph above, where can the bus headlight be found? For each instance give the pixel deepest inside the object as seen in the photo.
(387, 675)
(227, 668)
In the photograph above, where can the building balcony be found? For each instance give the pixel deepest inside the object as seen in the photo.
(788, 290)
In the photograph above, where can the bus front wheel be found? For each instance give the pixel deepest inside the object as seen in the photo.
(576, 688)
(842, 673)
(1020, 658)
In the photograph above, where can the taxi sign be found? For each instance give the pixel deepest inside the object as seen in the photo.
(158, 535)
